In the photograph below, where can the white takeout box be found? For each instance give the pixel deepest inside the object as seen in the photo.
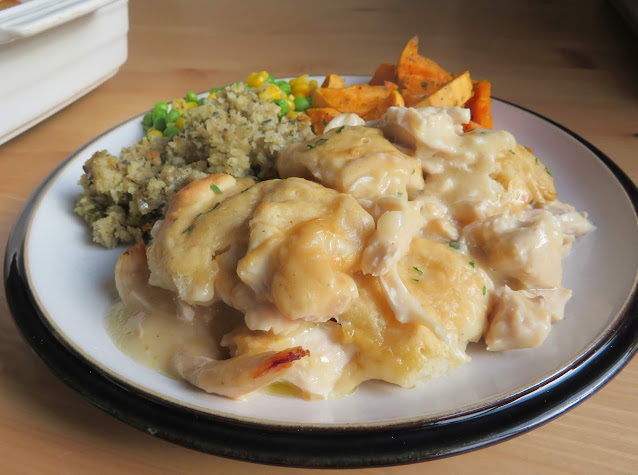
(52, 52)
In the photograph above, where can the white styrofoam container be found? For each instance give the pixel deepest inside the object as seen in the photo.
(52, 52)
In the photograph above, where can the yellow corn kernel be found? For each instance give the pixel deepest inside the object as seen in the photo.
(271, 93)
(190, 105)
(313, 85)
(301, 90)
(179, 123)
(178, 104)
(292, 114)
(154, 133)
(257, 79)
(291, 103)
(303, 79)
(212, 96)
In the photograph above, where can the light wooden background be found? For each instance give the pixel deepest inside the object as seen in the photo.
(574, 61)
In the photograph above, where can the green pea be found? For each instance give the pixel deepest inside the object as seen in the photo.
(216, 89)
(200, 102)
(191, 97)
(283, 106)
(171, 131)
(284, 86)
(161, 106)
(173, 115)
(270, 79)
(159, 114)
(148, 119)
(170, 124)
(301, 104)
(159, 124)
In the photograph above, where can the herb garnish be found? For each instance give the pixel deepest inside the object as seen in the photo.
(418, 270)
(536, 160)
(472, 263)
(340, 129)
(188, 229)
(455, 245)
(311, 145)
(399, 194)
(216, 189)
(548, 172)
(415, 280)
(321, 140)
(484, 290)
(510, 151)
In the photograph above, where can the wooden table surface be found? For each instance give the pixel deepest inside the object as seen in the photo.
(574, 61)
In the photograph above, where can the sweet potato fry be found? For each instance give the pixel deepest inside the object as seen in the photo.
(385, 72)
(358, 99)
(320, 117)
(394, 100)
(480, 104)
(455, 93)
(334, 81)
(417, 76)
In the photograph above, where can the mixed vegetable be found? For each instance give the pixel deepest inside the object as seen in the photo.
(415, 81)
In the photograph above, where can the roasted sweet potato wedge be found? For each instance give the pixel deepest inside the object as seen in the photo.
(455, 93)
(394, 100)
(320, 117)
(358, 99)
(385, 72)
(480, 104)
(419, 77)
(334, 81)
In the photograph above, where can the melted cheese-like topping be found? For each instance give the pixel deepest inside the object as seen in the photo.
(382, 252)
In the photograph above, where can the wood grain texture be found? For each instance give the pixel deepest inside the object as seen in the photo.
(574, 61)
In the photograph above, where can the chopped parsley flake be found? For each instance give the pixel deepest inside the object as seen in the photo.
(510, 151)
(311, 145)
(418, 270)
(531, 202)
(472, 263)
(413, 171)
(536, 160)
(484, 290)
(216, 189)
(320, 141)
(415, 280)
(188, 229)
(455, 245)
(483, 133)
(340, 129)
(325, 122)
(399, 194)
(174, 219)
(424, 84)
(219, 202)
(548, 172)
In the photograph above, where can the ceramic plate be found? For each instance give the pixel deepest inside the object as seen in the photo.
(60, 285)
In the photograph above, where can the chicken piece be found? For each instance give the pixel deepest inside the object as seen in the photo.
(475, 175)
(132, 283)
(522, 318)
(204, 220)
(238, 376)
(305, 241)
(526, 250)
(319, 374)
(344, 119)
(446, 288)
(399, 222)
(354, 160)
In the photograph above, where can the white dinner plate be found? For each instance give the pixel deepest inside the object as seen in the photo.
(59, 286)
